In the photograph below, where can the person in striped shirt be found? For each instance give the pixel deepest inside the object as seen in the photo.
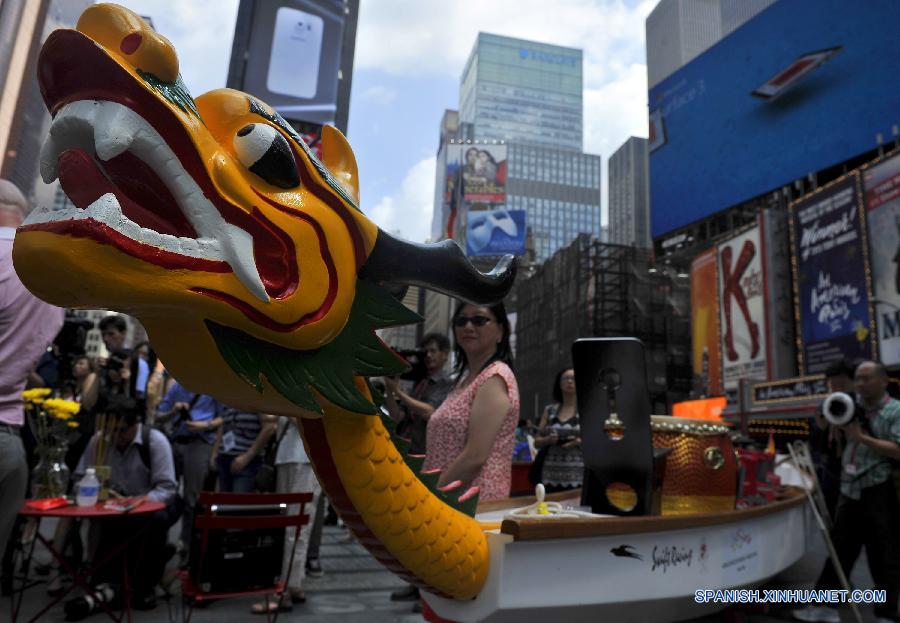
(237, 451)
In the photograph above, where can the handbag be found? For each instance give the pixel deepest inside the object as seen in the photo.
(265, 476)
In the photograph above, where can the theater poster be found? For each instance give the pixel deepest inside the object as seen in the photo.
(494, 230)
(484, 172)
(705, 325)
(882, 187)
(742, 315)
(831, 290)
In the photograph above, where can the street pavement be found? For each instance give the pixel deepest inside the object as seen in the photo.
(356, 589)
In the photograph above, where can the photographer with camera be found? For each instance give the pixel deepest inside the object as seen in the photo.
(867, 511)
(412, 410)
(827, 442)
(193, 419)
(116, 378)
(113, 330)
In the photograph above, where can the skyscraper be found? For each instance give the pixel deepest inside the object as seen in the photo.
(523, 91)
(559, 189)
(442, 186)
(736, 12)
(677, 31)
(629, 195)
(527, 96)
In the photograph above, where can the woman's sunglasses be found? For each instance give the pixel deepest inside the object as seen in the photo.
(479, 321)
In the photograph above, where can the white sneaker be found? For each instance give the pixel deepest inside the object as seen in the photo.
(817, 613)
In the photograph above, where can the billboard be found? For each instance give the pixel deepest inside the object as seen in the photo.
(742, 310)
(882, 187)
(453, 153)
(831, 291)
(289, 55)
(802, 86)
(705, 324)
(780, 337)
(492, 230)
(484, 173)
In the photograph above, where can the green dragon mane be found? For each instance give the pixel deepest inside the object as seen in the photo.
(331, 369)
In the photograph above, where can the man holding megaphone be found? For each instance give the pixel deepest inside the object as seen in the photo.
(827, 441)
(867, 510)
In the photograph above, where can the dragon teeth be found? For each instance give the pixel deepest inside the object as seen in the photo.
(238, 251)
(49, 155)
(114, 131)
(104, 209)
(169, 242)
(189, 246)
(131, 229)
(110, 129)
(153, 238)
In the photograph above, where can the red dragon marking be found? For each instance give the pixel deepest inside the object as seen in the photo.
(265, 321)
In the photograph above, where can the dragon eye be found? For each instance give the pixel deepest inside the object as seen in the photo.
(263, 150)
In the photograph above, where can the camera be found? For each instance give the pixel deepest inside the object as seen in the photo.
(416, 359)
(411, 354)
(840, 409)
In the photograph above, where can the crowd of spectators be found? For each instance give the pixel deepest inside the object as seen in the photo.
(168, 445)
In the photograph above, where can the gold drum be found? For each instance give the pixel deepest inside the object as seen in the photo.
(701, 470)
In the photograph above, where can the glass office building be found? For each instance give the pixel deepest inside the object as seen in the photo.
(560, 191)
(629, 194)
(523, 92)
(529, 95)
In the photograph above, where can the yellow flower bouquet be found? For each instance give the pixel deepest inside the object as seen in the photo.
(53, 424)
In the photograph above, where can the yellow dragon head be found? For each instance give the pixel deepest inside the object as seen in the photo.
(245, 256)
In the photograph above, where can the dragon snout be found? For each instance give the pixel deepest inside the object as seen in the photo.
(124, 33)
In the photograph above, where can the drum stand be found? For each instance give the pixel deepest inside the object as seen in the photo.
(803, 461)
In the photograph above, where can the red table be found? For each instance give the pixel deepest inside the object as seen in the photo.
(81, 579)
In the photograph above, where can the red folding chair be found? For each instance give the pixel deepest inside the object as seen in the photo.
(207, 521)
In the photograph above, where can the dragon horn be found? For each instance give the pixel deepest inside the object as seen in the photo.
(438, 266)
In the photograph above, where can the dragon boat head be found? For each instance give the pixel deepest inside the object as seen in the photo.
(244, 255)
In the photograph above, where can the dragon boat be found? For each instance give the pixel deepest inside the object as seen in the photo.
(627, 568)
(261, 282)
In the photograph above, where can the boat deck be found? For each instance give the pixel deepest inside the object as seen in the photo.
(577, 527)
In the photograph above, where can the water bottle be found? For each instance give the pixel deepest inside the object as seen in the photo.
(88, 489)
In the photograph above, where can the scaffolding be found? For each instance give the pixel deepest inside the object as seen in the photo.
(591, 289)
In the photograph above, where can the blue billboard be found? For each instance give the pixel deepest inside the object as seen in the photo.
(830, 266)
(802, 86)
(495, 231)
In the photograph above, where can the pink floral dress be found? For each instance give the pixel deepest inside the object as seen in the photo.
(448, 430)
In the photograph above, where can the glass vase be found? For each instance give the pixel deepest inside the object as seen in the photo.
(50, 478)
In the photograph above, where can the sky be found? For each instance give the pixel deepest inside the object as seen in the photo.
(409, 58)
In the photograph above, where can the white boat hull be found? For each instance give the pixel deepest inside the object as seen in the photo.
(653, 578)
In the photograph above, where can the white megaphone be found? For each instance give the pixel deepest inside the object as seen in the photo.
(839, 408)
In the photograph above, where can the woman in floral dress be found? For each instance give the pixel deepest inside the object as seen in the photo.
(471, 435)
